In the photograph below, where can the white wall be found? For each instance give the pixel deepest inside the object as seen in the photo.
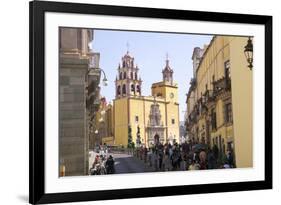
(14, 100)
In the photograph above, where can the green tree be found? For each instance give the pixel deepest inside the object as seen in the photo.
(133, 145)
(130, 138)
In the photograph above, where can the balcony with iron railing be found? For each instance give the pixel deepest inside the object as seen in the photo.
(208, 96)
(221, 85)
(192, 118)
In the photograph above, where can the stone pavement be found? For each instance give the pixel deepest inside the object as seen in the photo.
(124, 163)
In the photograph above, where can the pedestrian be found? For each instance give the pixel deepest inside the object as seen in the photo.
(170, 151)
(196, 156)
(211, 161)
(166, 160)
(179, 160)
(194, 165)
(155, 160)
(202, 157)
(225, 164)
(145, 155)
(149, 154)
(216, 152)
(141, 152)
(160, 159)
(229, 159)
(183, 161)
(110, 165)
(105, 151)
(175, 160)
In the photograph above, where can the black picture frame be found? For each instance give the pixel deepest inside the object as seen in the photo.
(37, 11)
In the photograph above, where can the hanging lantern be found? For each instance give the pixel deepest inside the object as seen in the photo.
(248, 51)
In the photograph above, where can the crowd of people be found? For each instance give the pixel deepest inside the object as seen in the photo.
(103, 162)
(185, 156)
(168, 157)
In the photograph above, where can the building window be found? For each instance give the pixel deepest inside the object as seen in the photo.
(131, 75)
(173, 121)
(119, 90)
(125, 75)
(213, 119)
(120, 76)
(227, 69)
(124, 89)
(136, 76)
(136, 119)
(138, 88)
(132, 88)
(228, 113)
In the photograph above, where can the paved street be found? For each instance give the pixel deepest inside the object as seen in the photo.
(125, 163)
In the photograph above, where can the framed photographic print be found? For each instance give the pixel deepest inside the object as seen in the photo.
(130, 102)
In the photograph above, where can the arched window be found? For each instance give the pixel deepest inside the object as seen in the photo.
(138, 88)
(132, 75)
(124, 64)
(119, 90)
(125, 75)
(132, 88)
(136, 76)
(120, 76)
(124, 89)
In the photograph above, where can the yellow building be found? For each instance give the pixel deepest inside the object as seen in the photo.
(219, 101)
(151, 119)
(104, 123)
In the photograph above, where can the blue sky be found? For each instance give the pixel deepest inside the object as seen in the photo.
(149, 50)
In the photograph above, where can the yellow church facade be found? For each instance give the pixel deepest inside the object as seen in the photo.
(149, 119)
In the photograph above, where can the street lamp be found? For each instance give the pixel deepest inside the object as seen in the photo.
(248, 51)
(104, 81)
(96, 133)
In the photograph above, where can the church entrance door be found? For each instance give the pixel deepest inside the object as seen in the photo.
(156, 139)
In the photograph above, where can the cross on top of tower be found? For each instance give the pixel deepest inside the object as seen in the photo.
(128, 47)
(167, 59)
(167, 67)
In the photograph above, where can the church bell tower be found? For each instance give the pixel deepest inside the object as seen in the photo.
(127, 82)
(167, 88)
